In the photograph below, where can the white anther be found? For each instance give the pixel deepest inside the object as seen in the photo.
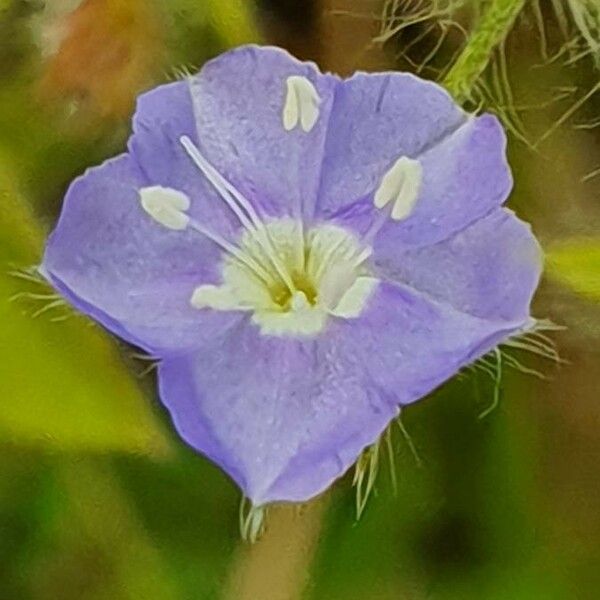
(301, 104)
(400, 185)
(354, 300)
(166, 206)
(215, 297)
(337, 278)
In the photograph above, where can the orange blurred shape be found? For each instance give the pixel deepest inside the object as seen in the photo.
(110, 51)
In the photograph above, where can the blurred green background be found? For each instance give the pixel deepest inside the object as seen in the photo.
(100, 500)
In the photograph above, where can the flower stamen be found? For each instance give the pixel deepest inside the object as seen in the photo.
(166, 206)
(327, 284)
(400, 186)
(301, 104)
(255, 267)
(396, 197)
(234, 199)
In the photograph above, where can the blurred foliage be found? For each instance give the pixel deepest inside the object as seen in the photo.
(99, 499)
(576, 263)
(462, 524)
(118, 554)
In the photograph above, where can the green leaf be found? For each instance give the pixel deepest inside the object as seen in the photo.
(63, 382)
(576, 264)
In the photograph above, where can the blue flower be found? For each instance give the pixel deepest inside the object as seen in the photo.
(305, 255)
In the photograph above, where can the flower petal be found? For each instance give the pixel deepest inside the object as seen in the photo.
(284, 417)
(376, 119)
(296, 414)
(409, 343)
(489, 269)
(261, 118)
(116, 263)
(163, 116)
(463, 169)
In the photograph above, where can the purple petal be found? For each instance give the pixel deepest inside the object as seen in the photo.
(163, 116)
(136, 277)
(377, 118)
(286, 417)
(239, 99)
(465, 172)
(409, 343)
(490, 269)
(283, 417)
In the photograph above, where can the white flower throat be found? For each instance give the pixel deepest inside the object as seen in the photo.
(324, 277)
(292, 279)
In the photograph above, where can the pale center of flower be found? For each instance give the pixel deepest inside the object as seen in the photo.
(323, 277)
(292, 278)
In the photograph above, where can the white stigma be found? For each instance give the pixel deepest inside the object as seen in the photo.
(301, 104)
(401, 186)
(240, 206)
(299, 301)
(166, 206)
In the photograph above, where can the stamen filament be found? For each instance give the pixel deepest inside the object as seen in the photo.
(234, 200)
(255, 267)
(324, 262)
(382, 217)
(215, 179)
(363, 256)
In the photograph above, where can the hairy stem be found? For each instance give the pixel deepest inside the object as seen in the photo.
(491, 30)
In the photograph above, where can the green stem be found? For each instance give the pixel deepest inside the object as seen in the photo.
(491, 30)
